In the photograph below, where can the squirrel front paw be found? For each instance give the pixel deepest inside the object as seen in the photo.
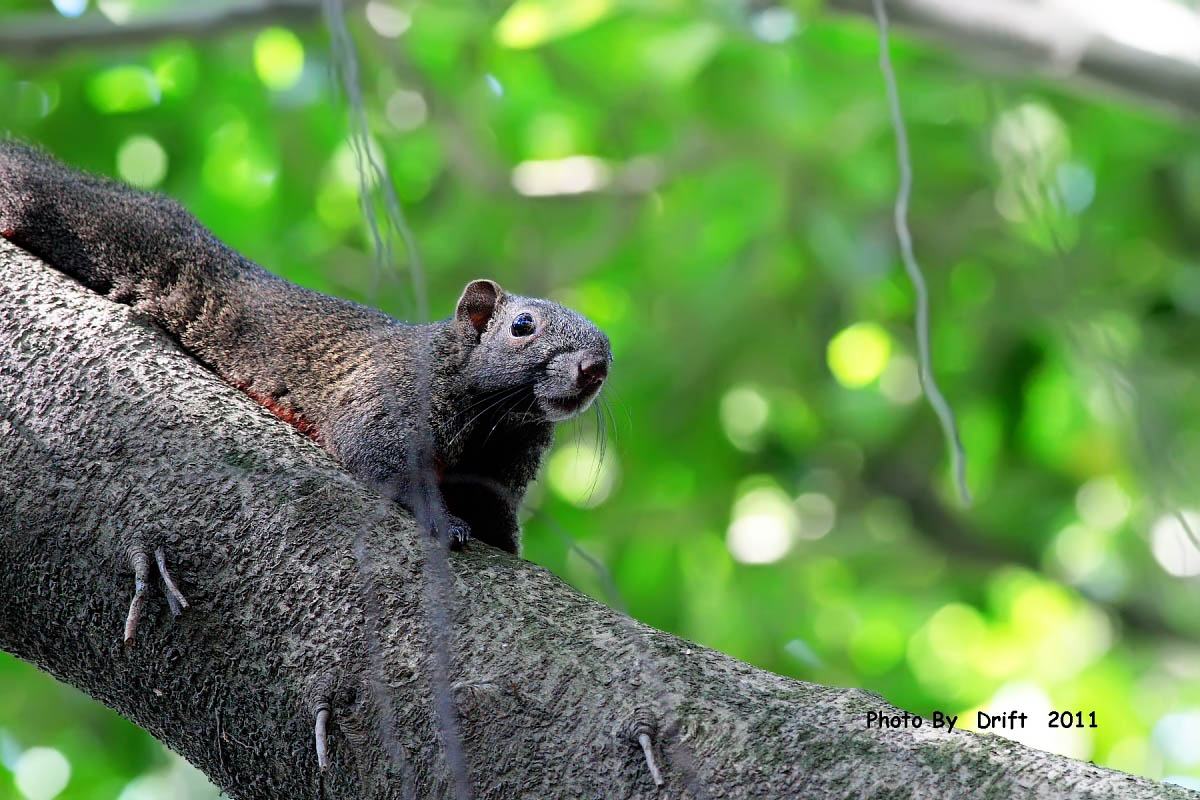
(457, 532)
(453, 531)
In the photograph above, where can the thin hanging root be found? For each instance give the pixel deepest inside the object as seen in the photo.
(644, 741)
(322, 748)
(945, 414)
(175, 597)
(141, 581)
(641, 731)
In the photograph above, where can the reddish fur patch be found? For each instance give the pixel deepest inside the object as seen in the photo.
(12, 236)
(288, 415)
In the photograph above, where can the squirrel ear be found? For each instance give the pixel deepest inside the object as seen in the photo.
(478, 303)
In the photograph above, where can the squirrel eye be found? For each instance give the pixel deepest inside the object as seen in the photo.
(523, 325)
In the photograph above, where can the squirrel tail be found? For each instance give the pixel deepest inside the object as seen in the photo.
(134, 247)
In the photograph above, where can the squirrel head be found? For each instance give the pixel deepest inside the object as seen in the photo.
(527, 343)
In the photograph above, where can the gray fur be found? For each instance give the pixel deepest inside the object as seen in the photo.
(459, 452)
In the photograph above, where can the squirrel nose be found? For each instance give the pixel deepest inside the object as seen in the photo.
(592, 370)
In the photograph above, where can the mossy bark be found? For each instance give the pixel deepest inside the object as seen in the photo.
(308, 591)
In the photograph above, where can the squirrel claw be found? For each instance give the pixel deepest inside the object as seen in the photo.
(445, 528)
(458, 533)
(450, 530)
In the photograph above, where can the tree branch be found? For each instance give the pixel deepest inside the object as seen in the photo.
(38, 36)
(113, 440)
(1042, 37)
(1012, 34)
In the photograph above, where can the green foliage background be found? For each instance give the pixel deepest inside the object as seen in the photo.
(741, 256)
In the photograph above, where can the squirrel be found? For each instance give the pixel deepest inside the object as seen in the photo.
(450, 419)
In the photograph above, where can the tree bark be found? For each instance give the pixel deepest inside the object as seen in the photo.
(309, 592)
(1061, 43)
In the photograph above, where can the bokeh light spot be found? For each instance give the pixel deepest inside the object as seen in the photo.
(758, 538)
(278, 58)
(387, 20)
(899, 381)
(141, 161)
(1079, 550)
(816, 513)
(118, 12)
(1076, 185)
(123, 89)
(763, 527)
(406, 110)
(774, 24)
(1102, 503)
(563, 176)
(70, 8)
(32, 102)
(803, 652)
(529, 23)
(582, 475)
(744, 413)
(41, 773)
(1177, 736)
(859, 354)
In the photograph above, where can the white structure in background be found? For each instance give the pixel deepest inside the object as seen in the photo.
(1147, 48)
(1163, 27)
